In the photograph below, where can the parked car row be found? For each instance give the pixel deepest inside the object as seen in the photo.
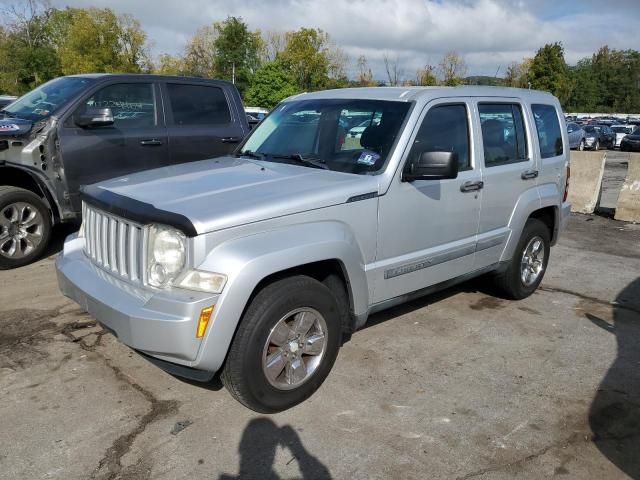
(599, 136)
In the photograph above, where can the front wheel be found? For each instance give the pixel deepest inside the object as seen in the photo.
(529, 262)
(581, 146)
(596, 147)
(285, 346)
(25, 227)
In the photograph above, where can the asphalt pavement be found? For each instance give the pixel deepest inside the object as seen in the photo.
(461, 384)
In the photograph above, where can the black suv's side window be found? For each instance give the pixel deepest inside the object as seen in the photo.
(132, 104)
(503, 133)
(198, 105)
(548, 127)
(445, 128)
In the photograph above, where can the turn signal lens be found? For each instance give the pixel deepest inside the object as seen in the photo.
(203, 321)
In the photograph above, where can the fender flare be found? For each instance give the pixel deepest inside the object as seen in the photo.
(248, 260)
(48, 197)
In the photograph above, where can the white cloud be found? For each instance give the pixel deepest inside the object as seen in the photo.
(489, 33)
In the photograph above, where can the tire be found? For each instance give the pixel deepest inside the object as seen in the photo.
(244, 373)
(596, 146)
(581, 146)
(511, 282)
(25, 227)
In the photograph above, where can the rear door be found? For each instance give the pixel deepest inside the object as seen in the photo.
(136, 141)
(201, 121)
(508, 170)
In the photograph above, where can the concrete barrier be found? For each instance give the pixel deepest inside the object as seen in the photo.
(587, 170)
(628, 208)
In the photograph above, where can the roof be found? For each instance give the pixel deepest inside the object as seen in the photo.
(408, 94)
(143, 76)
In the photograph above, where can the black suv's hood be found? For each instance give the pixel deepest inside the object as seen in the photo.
(14, 127)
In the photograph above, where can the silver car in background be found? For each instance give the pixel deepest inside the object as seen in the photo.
(576, 136)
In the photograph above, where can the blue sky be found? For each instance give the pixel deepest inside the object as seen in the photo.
(488, 33)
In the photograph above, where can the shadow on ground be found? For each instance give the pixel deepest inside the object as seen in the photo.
(257, 449)
(614, 416)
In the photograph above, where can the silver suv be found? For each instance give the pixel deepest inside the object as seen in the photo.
(260, 265)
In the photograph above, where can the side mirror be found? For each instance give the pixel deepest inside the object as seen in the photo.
(94, 117)
(432, 166)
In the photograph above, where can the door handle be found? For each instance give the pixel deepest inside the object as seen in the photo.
(154, 142)
(230, 139)
(471, 186)
(529, 174)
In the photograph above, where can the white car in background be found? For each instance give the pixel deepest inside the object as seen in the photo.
(621, 131)
(356, 132)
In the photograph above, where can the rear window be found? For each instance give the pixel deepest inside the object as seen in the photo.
(548, 128)
(198, 105)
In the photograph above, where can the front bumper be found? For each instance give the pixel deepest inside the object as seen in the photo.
(161, 324)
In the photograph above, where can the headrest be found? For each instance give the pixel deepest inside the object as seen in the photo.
(493, 133)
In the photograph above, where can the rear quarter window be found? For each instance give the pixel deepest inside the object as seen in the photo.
(548, 129)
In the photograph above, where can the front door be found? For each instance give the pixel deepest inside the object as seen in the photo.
(427, 228)
(136, 141)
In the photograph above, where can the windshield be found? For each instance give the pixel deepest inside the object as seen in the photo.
(622, 129)
(589, 129)
(316, 130)
(47, 98)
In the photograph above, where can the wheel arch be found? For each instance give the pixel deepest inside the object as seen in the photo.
(20, 178)
(319, 250)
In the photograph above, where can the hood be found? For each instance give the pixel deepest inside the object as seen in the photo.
(225, 192)
(14, 127)
(632, 136)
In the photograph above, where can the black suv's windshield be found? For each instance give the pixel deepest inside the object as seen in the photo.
(47, 98)
(320, 133)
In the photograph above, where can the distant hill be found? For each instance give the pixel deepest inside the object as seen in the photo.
(483, 80)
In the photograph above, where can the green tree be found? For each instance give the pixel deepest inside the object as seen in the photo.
(97, 40)
(549, 72)
(27, 55)
(236, 52)
(271, 83)
(517, 74)
(426, 76)
(199, 59)
(306, 55)
(452, 69)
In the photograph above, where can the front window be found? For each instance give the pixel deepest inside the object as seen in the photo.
(624, 130)
(47, 99)
(352, 136)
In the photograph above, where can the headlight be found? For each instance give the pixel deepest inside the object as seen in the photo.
(203, 281)
(166, 255)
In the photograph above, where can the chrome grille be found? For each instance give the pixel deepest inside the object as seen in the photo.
(113, 243)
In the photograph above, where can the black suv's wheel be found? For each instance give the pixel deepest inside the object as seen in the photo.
(581, 146)
(596, 146)
(285, 346)
(25, 227)
(529, 263)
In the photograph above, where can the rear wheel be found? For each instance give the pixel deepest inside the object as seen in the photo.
(529, 262)
(285, 345)
(25, 227)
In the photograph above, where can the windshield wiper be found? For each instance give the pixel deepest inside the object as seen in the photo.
(250, 154)
(297, 157)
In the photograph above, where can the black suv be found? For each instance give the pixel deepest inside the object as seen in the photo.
(82, 129)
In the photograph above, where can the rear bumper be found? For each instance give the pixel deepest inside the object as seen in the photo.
(565, 213)
(161, 324)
